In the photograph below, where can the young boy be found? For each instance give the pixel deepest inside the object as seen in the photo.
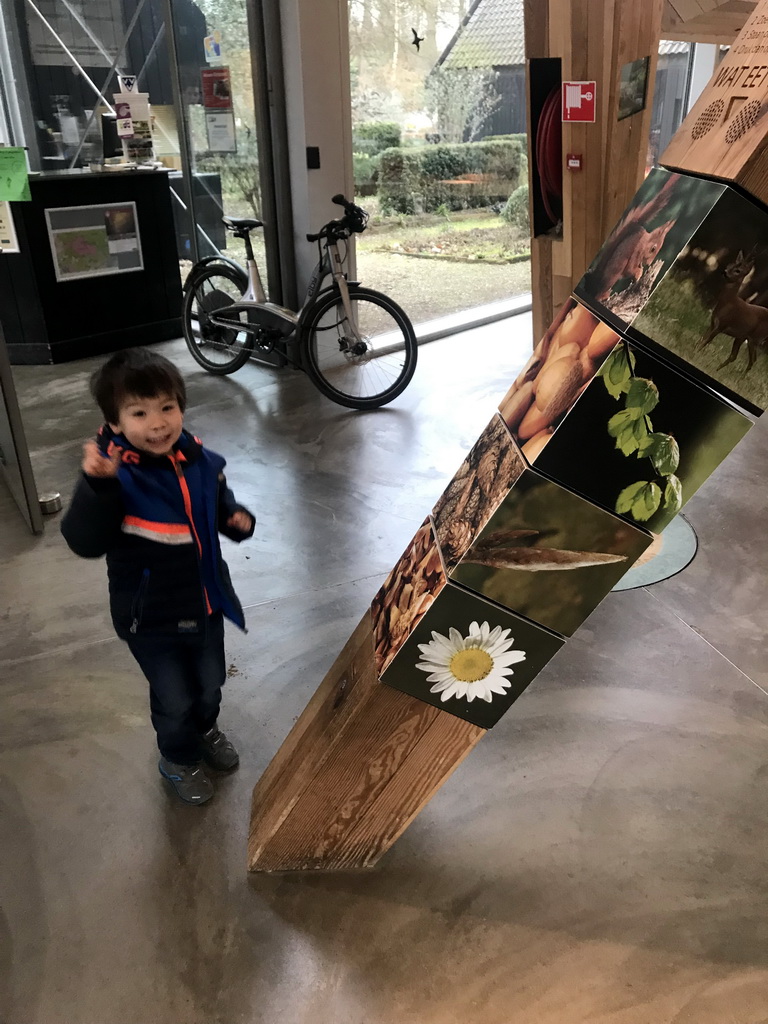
(154, 500)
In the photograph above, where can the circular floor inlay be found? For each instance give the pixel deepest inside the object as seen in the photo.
(674, 553)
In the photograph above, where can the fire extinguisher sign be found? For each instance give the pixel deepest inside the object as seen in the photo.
(579, 101)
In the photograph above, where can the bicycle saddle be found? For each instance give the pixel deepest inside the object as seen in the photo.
(242, 223)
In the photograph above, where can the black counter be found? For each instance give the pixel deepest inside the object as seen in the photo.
(52, 321)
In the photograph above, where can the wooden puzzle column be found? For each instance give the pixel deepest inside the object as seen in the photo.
(633, 396)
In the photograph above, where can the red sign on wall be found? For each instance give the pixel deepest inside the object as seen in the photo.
(217, 91)
(579, 101)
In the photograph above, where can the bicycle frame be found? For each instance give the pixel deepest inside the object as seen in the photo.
(262, 313)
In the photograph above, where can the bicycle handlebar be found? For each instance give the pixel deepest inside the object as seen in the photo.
(353, 221)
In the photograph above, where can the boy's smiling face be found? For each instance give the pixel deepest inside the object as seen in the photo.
(152, 425)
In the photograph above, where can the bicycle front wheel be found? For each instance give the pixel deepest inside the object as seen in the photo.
(219, 349)
(362, 368)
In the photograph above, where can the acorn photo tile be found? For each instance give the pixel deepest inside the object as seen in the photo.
(470, 657)
(563, 362)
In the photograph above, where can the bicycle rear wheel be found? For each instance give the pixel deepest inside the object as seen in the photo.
(219, 349)
(365, 372)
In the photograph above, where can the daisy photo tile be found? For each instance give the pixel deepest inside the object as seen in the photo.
(406, 594)
(470, 657)
(476, 491)
(550, 555)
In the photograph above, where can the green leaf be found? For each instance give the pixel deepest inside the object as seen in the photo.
(631, 436)
(666, 455)
(644, 394)
(646, 503)
(629, 495)
(616, 373)
(618, 423)
(673, 495)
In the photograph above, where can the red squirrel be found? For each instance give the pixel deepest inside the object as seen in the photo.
(631, 248)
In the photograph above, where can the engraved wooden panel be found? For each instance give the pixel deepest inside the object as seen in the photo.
(726, 133)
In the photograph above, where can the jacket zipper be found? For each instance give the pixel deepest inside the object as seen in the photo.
(187, 499)
(138, 603)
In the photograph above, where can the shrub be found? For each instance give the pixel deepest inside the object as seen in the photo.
(468, 174)
(516, 209)
(373, 137)
(365, 167)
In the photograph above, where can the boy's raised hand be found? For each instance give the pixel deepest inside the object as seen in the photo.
(94, 463)
(240, 521)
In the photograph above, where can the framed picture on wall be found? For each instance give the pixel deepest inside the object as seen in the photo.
(92, 241)
(633, 87)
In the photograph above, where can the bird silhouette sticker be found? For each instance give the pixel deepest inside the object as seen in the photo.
(417, 40)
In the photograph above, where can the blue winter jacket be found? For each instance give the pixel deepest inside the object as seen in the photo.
(158, 523)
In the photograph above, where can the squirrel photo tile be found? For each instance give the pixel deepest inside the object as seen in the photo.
(476, 491)
(563, 362)
(641, 249)
(550, 555)
(406, 594)
(641, 439)
(711, 309)
(470, 657)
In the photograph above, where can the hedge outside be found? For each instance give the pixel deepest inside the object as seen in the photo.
(467, 174)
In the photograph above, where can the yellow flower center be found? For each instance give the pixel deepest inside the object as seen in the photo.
(471, 665)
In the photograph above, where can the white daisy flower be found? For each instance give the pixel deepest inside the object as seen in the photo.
(471, 666)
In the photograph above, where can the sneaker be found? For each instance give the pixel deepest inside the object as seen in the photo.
(189, 780)
(219, 752)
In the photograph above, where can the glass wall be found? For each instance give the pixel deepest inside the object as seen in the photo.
(191, 58)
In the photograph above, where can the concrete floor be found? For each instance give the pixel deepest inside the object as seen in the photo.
(600, 857)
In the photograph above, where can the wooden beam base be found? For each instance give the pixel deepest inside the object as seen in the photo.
(356, 769)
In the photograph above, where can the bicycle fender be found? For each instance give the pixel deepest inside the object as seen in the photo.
(206, 262)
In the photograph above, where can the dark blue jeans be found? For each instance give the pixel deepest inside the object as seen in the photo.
(185, 676)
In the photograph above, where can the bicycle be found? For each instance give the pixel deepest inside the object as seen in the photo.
(357, 345)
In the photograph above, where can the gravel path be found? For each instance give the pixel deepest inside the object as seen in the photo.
(430, 288)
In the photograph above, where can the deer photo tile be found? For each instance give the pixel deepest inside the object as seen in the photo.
(641, 439)
(476, 491)
(711, 309)
(642, 248)
(563, 362)
(550, 555)
(470, 657)
(406, 594)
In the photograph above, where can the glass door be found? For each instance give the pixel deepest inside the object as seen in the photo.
(219, 170)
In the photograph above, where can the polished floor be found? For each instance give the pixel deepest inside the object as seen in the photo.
(601, 856)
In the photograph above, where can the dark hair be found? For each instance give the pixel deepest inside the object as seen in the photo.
(135, 372)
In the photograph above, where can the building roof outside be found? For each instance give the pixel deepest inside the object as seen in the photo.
(492, 35)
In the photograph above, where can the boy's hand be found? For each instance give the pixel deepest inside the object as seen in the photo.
(240, 521)
(94, 463)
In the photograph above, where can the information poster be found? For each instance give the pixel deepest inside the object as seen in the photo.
(8, 240)
(220, 127)
(92, 241)
(217, 89)
(14, 179)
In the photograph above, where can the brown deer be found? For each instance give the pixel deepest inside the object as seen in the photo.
(735, 317)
